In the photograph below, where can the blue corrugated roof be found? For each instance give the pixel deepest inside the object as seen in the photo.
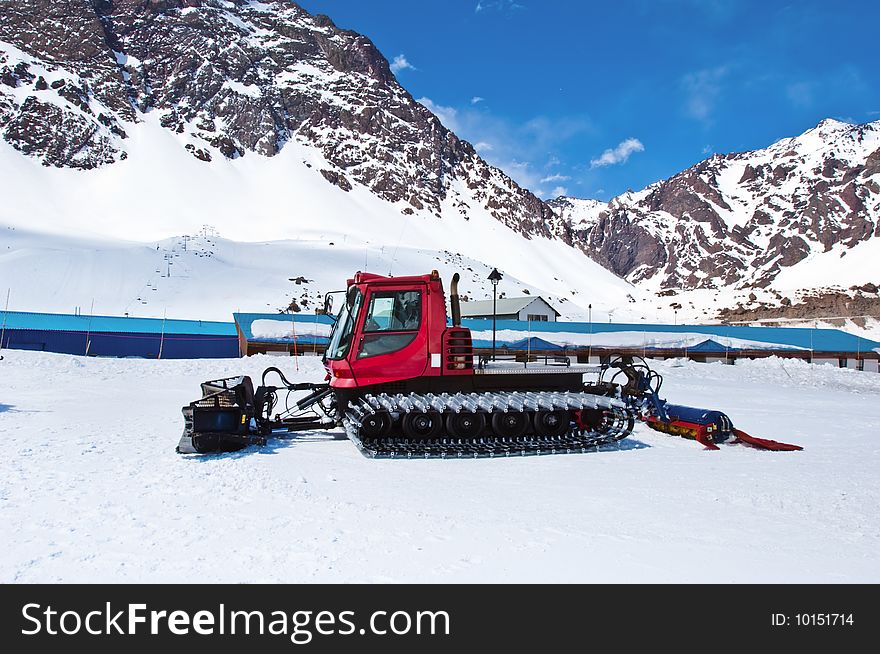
(245, 322)
(534, 343)
(79, 323)
(818, 340)
(710, 346)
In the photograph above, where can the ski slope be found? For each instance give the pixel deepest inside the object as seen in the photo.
(115, 236)
(207, 277)
(91, 489)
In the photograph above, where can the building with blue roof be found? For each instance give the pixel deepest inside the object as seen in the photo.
(782, 338)
(595, 342)
(303, 333)
(114, 336)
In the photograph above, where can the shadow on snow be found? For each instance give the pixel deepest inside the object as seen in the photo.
(279, 442)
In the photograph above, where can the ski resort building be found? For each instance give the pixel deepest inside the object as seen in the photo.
(112, 336)
(597, 342)
(303, 333)
(527, 309)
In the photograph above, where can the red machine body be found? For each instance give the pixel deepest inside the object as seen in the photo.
(395, 329)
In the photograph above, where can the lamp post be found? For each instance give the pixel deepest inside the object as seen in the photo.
(494, 277)
(590, 350)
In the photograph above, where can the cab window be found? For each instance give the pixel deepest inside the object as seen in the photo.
(392, 321)
(340, 337)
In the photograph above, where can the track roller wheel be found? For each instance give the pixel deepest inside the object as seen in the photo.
(510, 424)
(206, 443)
(552, 423)
(376, 425)
(590, 419)
(465, 424)
(420, 426)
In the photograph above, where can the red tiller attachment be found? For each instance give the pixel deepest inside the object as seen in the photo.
(707, 427)
(710, 428)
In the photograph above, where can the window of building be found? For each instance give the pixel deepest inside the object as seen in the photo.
(539, 317)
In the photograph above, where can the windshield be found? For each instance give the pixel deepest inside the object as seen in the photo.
(340, 338)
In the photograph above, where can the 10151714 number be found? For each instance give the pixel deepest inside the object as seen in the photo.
(824, 619)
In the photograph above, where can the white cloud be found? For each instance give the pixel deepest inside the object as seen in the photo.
(497, 5)
(400, 63)
(800, 94)
(618, 155)
(707, 149)
(558, 191)
(509, 146)
(555, 178)
(447, 115)
(702, 89)
(477, 99)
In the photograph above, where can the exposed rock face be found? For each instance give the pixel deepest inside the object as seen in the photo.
(739, 219)
(233, 78)
(858, 304)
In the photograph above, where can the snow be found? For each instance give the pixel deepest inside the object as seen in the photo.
(845, 266)
(284, 329)
(251, 90)
(211, 277)
(91, 489)
(72, 229)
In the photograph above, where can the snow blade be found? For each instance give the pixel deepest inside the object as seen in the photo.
(220, 420)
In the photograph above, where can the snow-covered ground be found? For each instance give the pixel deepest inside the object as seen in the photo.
(91, 489)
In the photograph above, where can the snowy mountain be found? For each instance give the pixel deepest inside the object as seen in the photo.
(125, 123)
(253, 122)
(781, 216)
(233, 78)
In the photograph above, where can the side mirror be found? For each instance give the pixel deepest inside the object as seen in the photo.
(328, 305)
(351, 296)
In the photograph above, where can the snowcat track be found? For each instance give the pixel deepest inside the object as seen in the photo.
(617, 424)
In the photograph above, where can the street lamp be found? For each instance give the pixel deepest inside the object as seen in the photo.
(494, 277)
(590, 350)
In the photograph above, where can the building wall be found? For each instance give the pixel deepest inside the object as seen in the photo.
(118, 344)
(538, 307)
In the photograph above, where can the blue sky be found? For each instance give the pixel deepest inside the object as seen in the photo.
(590, 99)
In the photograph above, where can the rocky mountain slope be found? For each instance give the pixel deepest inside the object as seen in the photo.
(145, 119)
(231, 78)
(745, 220)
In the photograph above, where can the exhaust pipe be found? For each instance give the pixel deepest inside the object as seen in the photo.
(454, 302)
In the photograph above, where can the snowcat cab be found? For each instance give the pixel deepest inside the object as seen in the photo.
(394, 329)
